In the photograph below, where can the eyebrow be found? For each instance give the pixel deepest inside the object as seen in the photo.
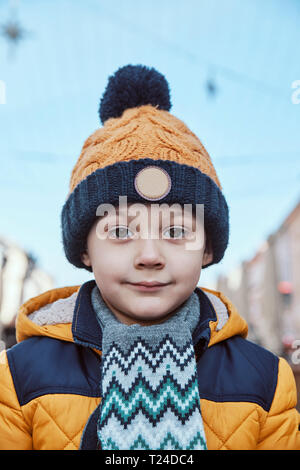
(176, 212)
(116, 212)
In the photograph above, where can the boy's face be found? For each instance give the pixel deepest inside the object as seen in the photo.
(122, 254)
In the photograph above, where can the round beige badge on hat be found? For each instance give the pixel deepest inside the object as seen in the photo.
(152, 183)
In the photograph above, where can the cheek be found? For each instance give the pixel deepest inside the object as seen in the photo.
(109, 264)
(107, 271)
(187, 265)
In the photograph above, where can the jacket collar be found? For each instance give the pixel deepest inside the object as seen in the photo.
(87, 331)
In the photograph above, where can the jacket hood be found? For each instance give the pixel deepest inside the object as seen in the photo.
(48, 314)
(52, 314)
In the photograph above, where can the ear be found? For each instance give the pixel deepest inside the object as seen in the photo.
(208, 253)
(86, 259)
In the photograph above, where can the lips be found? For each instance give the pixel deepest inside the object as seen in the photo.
(149, 284)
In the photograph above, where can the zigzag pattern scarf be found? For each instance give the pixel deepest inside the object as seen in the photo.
(150, 396)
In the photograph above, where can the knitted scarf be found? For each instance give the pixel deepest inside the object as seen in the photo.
(150, 396)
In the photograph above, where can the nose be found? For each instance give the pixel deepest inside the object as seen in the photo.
(149, 255)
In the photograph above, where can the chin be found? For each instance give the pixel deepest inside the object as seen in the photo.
(145, 316)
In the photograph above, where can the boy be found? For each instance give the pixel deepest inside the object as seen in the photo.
(140, 357)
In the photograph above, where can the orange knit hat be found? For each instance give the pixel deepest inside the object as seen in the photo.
(142, 132)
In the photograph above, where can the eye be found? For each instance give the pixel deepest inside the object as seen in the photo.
(119, 232)
(176, 232)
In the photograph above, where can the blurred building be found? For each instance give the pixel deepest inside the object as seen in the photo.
(266, 288)
(20, 279)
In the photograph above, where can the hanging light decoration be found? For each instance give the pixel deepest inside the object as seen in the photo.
(211, 87)
(12, 30)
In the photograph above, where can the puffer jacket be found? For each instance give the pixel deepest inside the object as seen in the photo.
(50, 380)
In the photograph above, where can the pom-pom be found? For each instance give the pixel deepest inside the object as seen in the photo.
(132, 86)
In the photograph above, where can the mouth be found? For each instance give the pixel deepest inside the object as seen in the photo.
(148, 286)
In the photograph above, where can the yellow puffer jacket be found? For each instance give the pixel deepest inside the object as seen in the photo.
(50, 380)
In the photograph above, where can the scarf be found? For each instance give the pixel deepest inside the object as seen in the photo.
(150, 395)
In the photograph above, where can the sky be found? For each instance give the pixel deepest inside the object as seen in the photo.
(54, 79)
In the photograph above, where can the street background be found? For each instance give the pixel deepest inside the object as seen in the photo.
(234, 74)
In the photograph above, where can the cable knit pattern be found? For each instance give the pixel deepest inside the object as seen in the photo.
(142, 133)
(150, 396)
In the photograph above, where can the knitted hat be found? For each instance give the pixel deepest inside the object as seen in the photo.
(145, 153)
